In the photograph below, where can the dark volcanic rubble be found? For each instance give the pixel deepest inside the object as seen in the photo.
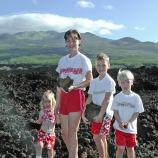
(21, 87)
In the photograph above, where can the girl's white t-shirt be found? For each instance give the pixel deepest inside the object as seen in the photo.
(75, 67)
(127, 105)
(98, 88)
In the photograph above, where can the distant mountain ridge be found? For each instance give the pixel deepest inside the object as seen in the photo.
(52, 43)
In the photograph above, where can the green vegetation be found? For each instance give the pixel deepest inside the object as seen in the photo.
(135, 61)
(48, 47)
(40, 59)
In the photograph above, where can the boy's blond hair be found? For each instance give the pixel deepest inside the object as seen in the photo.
(125, 75)
(48, 95)
(103, 56)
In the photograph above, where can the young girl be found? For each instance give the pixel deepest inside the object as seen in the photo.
(46, 134)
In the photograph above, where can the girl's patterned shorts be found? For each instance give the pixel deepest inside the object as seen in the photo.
(47, 138)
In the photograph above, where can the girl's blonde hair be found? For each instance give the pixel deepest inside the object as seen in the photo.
(125, 75)
(48, 96)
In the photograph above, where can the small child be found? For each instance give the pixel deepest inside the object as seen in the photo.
(126, 105)
(46, 134)
(101, 92)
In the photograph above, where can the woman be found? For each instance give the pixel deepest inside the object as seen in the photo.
(71, 104)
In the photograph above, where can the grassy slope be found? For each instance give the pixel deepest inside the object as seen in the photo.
(48, 47)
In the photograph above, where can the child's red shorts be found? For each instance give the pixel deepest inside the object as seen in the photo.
(46, 138)
(72, 101)
(101, 128)
(125, 139)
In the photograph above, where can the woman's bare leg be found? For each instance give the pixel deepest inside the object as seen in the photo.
(64, 129)
(73, 125)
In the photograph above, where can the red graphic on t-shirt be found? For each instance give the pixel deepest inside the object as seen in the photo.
(71, 70)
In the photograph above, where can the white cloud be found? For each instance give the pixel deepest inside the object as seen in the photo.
(44, 22)
(108, 7)
(85, 4)
(139, 28)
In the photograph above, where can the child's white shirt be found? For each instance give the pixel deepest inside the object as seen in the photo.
(127, 105)
(98, 88)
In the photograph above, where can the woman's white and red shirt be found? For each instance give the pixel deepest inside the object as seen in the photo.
(75, 67)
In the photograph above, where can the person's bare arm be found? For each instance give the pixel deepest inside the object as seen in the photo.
(38, 121)
(85, 83)
(88, 101)
(58, 93)
(118, 119)
(124, 124)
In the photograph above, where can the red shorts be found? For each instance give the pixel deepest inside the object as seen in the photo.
(72, 101)
(46, 138)
(125, 139)
(101, 128)
(95, 127)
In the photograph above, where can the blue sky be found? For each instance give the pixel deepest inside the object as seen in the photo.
(112, 19)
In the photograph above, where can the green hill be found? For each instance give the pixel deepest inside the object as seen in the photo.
(47, 47)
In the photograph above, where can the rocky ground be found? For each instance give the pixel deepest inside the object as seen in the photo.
(21, 88)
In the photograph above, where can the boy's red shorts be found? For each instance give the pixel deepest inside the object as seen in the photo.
(95, 127)
(101, 128)
(125, 139)
(72, 101)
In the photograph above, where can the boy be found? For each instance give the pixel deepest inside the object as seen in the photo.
(126, 105)
(101, 92)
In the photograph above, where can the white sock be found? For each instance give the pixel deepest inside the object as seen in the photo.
(39, 156)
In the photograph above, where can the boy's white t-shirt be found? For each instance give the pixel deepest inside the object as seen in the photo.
(127, 105)
(98, 88)
(75, 67)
